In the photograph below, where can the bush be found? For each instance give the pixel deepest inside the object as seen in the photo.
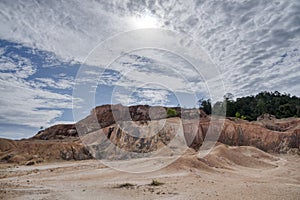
(237, 115)
(171, 112)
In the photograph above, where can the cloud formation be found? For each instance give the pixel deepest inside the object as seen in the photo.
(254, 44)
(28, 98)
(244, 39)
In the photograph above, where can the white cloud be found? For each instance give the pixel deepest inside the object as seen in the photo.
(70, 29)
(24, 101)
(25, 105)
(243, 38)
(146, 70)
(255, 44)
(65, 83)
(21, 67)
(143, 96)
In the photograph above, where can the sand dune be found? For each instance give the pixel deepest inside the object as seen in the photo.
(245, 156)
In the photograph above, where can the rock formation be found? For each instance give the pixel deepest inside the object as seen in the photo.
(111, 129)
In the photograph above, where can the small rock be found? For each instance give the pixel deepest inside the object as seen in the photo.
(30, 163)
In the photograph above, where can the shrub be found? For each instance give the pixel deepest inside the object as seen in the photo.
(237, 115)
(243, 117)
(171, 112)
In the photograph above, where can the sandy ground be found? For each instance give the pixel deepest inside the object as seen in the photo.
(188, 178)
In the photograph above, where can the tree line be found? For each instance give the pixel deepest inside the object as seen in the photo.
(250, 107)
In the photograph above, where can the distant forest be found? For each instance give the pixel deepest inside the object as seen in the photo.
(250, 107)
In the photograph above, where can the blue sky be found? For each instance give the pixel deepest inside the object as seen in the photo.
(255, 46)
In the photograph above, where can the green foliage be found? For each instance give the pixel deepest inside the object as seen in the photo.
(237, 115)
(243, 117)
(250, 107)
(171, 112)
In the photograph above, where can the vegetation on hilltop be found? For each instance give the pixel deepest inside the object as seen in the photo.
(250, 107)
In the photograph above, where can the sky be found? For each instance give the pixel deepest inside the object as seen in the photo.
(49, 50)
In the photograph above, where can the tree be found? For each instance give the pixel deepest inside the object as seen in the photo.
(205, 105)
(228, 96)
(250, 107)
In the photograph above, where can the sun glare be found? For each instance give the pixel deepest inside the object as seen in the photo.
(145, 21)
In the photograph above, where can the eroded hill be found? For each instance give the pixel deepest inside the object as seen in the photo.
(145, 129)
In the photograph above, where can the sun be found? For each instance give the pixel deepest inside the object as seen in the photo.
(145, 21)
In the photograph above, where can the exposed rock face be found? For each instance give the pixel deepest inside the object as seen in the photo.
(234, 133)
(195, 126)
(34, 151)
(270, 122)
(106, 115)
(135, 139)
(266, 116)
(60, 131)
(244, 133)
(252, 134)
(109, 130)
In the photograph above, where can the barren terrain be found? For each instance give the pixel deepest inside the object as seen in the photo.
(226, 173)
